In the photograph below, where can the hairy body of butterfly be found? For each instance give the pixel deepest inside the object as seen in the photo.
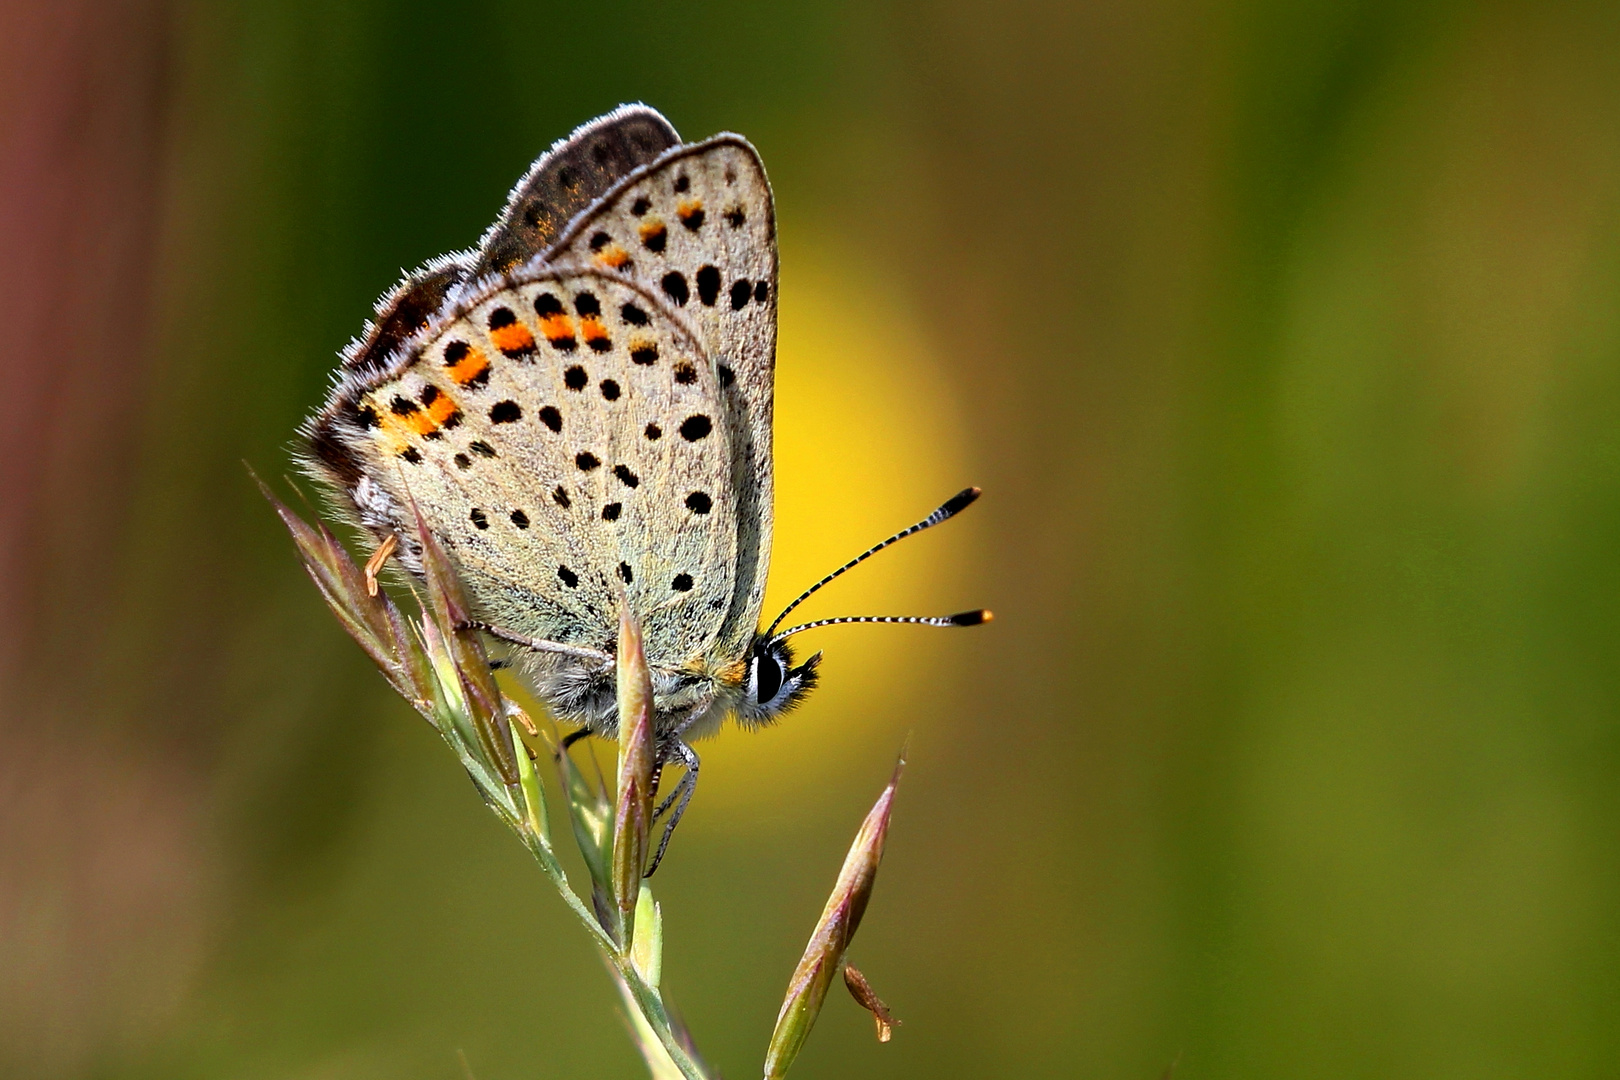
(581, 411)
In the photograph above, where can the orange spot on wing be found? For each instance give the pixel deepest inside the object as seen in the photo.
(613, 256)
(469, 367)
(512, 339)
(591, 328)
(556, 327)
(689, 208)
(393, 432)
(650, 228)
(442, 409)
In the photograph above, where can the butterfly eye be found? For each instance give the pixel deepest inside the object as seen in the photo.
(767, 678)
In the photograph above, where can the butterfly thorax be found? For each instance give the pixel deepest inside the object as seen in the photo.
(690, 701)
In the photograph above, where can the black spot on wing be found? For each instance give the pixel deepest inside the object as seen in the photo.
(674, 285)
(708, 283)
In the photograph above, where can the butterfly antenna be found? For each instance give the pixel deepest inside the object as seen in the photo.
(953, 506)
(961, 618)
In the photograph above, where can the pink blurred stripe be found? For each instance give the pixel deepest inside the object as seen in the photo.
(99, 899)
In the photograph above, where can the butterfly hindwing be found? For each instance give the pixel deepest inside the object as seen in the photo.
(406, 310)
(562, 434)
(698, 228)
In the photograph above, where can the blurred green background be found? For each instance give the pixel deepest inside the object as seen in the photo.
(1283, 336)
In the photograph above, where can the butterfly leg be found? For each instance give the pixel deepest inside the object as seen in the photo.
(537, 644)
(677, 798)
(375, 563)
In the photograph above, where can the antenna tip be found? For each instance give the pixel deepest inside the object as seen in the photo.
(972, 618)
(960, 501)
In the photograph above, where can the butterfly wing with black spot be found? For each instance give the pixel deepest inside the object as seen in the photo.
(406, 309)
(561, 434)
(568, 178)
(561, 182)
(698, 227)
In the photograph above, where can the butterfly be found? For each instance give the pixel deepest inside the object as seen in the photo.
(580, 408)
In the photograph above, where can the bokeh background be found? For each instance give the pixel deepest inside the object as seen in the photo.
(1284, 336)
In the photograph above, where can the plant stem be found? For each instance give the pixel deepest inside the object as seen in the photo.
(647, 1000)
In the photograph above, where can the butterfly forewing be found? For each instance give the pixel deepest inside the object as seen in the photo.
(567, 178)
(697, 227)
(561, 182)
(563, 438)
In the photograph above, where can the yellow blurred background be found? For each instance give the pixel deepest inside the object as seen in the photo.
(1283, 337)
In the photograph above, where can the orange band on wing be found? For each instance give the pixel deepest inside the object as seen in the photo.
(443, 409)
(613, 256)
(594, 333)
(471, 368)
(559, 330)
(513, 339)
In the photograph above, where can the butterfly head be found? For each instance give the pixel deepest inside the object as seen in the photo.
(774, 684)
